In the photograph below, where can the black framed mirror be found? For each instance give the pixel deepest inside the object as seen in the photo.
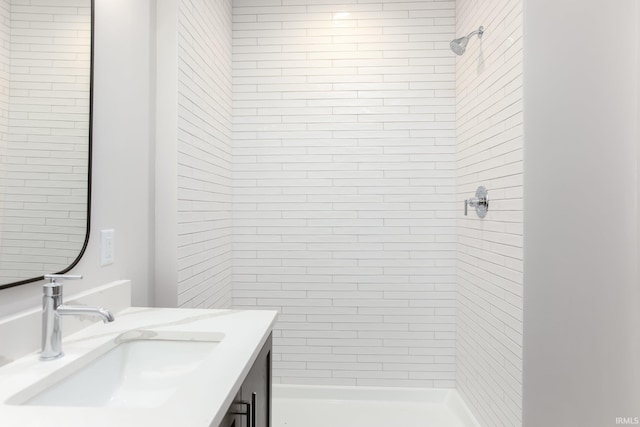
(46, 112)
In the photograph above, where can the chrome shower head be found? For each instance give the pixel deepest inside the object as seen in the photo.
(458, 46)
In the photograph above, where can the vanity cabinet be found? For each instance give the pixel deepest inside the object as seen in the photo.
(252, 405)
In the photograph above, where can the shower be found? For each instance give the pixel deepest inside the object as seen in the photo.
(458, 46)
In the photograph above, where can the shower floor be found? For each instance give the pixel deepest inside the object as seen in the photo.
(305, 406)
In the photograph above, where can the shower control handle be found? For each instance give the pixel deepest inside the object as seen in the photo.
(480, 202)
(473, 202)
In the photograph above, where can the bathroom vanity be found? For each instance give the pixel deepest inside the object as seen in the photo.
(252, 404)
(151, 366)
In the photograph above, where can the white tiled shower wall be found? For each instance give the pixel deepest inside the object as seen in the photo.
(44, 186)
(489, 133)
(204, 153)
(5, 63)
(344, 186)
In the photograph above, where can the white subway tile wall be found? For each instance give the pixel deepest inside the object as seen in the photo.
(44, 186)
(489, 132)
(344, 186)
(204, 153)
(5, 73)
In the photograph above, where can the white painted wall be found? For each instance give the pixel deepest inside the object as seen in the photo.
(582, 290)
(121, 168)
(489, 152)
(344, 187)
(165, 251)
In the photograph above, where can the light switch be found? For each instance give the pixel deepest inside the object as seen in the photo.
(107, 247)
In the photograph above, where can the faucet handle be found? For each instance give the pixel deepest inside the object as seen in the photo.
(54, 277)
(55, 288)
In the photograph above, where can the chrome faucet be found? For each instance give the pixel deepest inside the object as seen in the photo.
(52, 309)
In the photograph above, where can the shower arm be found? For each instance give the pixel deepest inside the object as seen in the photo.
(479, 32)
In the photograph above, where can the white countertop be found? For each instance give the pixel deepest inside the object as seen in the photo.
(200, 401)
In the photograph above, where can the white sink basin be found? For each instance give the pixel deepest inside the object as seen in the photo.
(139, 373)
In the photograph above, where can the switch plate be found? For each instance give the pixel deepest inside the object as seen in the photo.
(107, 247)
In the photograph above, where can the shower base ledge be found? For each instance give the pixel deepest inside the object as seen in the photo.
(340, 406)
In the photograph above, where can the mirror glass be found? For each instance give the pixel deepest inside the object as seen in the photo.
(45, 136)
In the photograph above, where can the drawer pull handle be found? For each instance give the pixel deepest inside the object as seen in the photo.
(254, 398)
(250, 411)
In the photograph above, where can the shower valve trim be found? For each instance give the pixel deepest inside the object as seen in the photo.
(480, 202)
